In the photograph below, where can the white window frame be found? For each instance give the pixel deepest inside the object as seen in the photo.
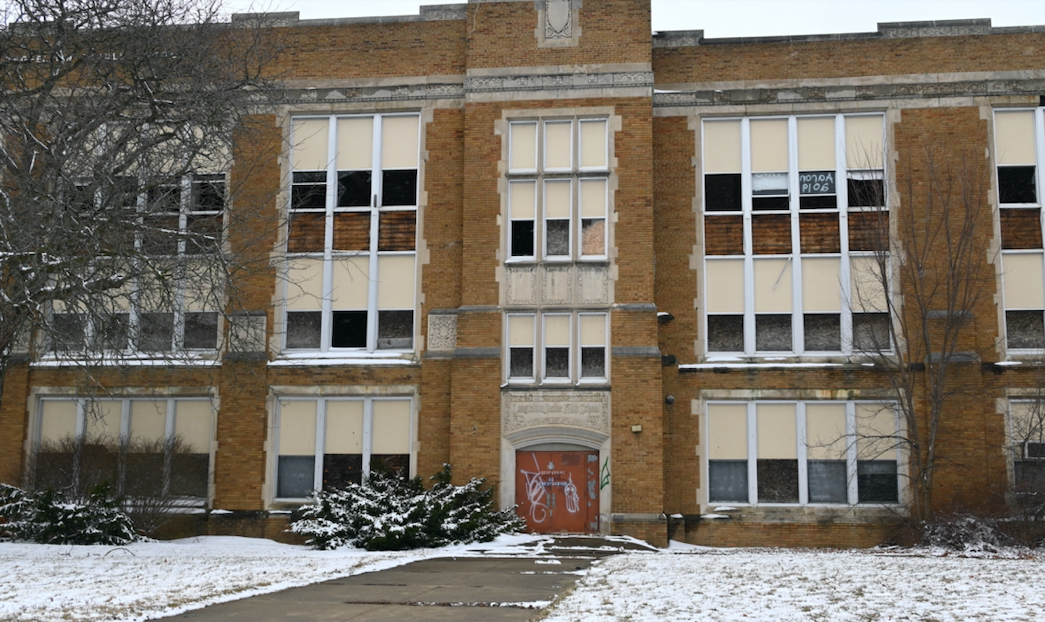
(801, 441)
(170, 425)
(186, 205)
(539, 376)
(1039, 178)
(796, 256)
(320, 441)
(329, 255)
(575, 173)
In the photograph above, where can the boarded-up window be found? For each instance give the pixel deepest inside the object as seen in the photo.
(724, 235)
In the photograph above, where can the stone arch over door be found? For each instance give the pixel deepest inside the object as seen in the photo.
(556, 421)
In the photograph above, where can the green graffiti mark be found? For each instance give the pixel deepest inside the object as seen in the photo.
(605, 474)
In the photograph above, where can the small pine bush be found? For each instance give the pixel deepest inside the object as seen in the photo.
(43, 517)
(387, 512)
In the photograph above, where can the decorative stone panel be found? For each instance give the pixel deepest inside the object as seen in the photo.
(594, 284)
(557, 285)
(522, 410)
(442, 332)
(521, 285)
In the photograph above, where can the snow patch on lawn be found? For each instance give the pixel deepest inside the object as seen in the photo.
(152, 579)
(695, 583)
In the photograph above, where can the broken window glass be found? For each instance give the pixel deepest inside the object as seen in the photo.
(777, 481)
(871, 332)
(520, 363)
(556, 362)
(353, 188)
(304, 329)
(395, 330)
(726, 333)
(558, 237)
(1024, 330)
(773, 333)
(593, 362)
(823, 332)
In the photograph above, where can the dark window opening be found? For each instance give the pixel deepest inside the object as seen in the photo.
(871, 332)
(522, 238)
(208, 193)
(189, 474)
(722, 193)
(309, 190)
(112, 332)
(201, 331)
(1016, 184)
(876, 481)
(349, 329)
(353, 188)
(67, 332)
(155, 332)
(399, 187)
(340, 470)
(866, 192)
(780, 203)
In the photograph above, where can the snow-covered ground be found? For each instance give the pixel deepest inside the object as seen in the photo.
(778, 585)
(144, 580)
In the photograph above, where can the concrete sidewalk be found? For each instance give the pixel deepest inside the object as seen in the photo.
(461, 589)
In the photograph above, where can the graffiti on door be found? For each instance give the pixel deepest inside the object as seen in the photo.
(551, 487)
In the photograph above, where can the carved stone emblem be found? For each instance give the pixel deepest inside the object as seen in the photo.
(558, 19)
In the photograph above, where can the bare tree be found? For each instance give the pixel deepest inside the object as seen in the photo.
(929, 254)
(116, 127)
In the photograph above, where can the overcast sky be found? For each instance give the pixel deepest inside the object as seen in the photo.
(729, 18)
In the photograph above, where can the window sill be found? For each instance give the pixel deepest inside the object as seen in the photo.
(383, 357)
(173, 359)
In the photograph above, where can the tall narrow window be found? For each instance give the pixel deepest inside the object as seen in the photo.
(558, 177)
(353, 233)
(1019, 143)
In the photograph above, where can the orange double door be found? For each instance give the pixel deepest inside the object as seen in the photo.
(558, 491)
